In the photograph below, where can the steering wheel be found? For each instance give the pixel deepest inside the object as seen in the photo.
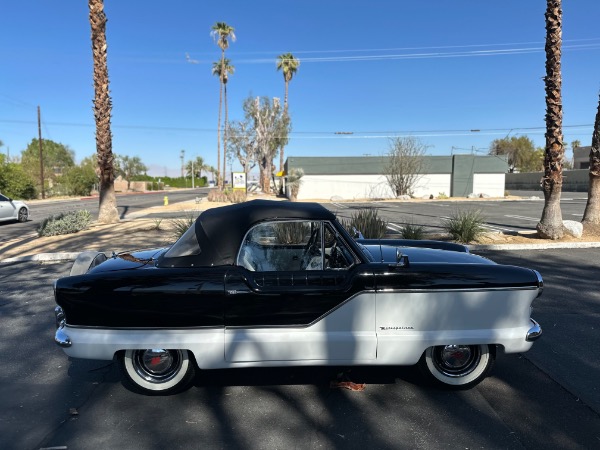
(331, 259)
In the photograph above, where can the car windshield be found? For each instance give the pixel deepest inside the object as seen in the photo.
(186, 245)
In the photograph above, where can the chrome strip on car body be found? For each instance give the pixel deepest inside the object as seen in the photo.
(527, 288)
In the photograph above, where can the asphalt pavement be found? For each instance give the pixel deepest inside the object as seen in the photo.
(545, 398)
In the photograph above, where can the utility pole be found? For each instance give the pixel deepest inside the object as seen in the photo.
(193, 174)
(41, 152)
(182, 157)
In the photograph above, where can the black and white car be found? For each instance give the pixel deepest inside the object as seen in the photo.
(11, 210)
(267, 283)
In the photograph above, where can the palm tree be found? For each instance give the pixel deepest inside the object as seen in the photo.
(550, 225)
(591, 216)
(288, 66)
(102, 113)
(221, 33)
(223, 69)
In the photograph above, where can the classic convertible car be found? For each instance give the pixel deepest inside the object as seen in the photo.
(267, 283)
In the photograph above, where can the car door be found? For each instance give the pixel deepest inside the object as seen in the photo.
(289, 300)
(6, 208)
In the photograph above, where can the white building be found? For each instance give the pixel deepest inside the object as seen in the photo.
(364, 177)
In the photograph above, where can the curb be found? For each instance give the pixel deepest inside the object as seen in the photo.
(547, 246)
(71, 256)
(43, 257)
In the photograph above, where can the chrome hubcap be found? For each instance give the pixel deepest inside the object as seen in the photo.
(22, 215)
(456, 360)
(157, 365)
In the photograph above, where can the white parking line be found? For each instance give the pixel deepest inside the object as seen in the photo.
(394, 227)
(339, 205)
(496, 228)
(578, 215)
(531, 219)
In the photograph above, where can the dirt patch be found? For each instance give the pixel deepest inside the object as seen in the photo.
(533, 238)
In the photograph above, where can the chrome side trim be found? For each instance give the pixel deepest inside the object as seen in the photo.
(540, 282)
(59, 316)
(534, 332)
(527, 288)
(61, 338)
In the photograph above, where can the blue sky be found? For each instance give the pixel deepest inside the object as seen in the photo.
(431, 69)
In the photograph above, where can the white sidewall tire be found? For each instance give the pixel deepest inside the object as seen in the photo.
(179, 381)
(468, 380)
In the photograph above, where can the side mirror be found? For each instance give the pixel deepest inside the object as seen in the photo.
(357, 234)
(401, 260)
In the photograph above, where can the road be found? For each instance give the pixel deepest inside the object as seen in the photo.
(546, 398)
(127, 204)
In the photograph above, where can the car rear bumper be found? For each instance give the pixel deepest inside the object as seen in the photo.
(534, 332)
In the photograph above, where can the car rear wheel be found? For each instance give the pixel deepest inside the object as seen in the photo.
(157, 371)
(457, 366)
(23, 215)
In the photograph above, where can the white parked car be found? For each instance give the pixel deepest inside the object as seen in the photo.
(13, 209)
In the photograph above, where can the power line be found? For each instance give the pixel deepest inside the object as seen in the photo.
(331, 134)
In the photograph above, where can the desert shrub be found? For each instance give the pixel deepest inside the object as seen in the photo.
(235, 196)
(412, 231)
(465, 226)
(442, 196)
(226, 196)
(291, 232)
(366, 221)
(65, 223)
(181, 225)
(216, 195)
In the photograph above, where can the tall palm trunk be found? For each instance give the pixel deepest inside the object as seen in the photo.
(591, 215)
(225, 133)
(550, 225)
(219, 174)
(285, 111)
(102, 112)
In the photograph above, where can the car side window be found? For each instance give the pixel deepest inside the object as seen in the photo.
(3, 198)
(283, 246)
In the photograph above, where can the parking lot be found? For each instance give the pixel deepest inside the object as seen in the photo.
(507, 216)
(548, 397)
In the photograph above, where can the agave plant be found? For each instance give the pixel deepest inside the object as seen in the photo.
(367, 222)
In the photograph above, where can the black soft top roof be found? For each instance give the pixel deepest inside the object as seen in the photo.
(219, 231)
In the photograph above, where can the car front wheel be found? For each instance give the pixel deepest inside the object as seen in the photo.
(157, 371)
(22, 215)
(457, 366)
